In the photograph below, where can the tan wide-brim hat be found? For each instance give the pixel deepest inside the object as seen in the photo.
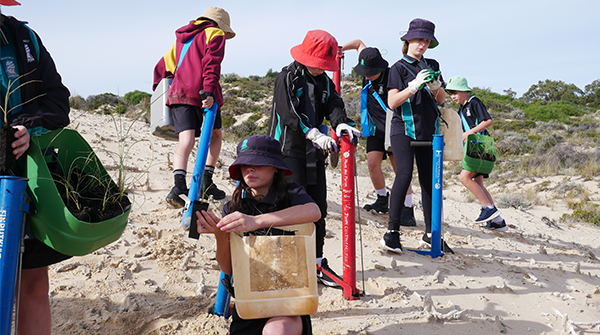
(221, 17)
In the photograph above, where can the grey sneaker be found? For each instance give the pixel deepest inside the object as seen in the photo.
(498, 226)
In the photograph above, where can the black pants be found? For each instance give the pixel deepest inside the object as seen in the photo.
(318, 192)
(403, 155)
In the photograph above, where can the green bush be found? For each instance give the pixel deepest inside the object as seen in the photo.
(135, 97)
(121, 109)
(559, 111)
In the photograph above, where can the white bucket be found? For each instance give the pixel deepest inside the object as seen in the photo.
(275, 275)
(453, 148)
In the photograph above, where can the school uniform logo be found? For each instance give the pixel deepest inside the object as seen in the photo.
(11, 69)
(28, 53)
(468, 112)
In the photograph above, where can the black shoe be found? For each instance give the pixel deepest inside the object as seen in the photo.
(214, 191)
(324, 278)
(174, 199)
(407, 219)
(391, 241)
(426, 241)
(487, 214)
(498, 226)
(380, 205)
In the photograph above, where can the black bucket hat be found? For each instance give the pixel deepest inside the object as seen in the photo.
(421, 28)
(370, 63)
(258, 150)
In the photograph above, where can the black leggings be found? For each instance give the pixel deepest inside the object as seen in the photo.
(318, 192)
(403, 155)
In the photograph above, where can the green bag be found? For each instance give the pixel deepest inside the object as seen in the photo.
(480, 154)
(52, 222)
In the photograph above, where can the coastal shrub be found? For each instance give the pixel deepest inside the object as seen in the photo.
(135, 97)
(227, 121)
(121, 109)
(517, 201)
(548, 141)
(583, 211)
(510, 143)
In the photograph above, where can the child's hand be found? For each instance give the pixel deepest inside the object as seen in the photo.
(21, 144)
(237, 221)
(207, 223)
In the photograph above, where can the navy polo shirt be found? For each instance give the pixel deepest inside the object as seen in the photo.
(474, 112)
(416, 118)
(296, 195)
(375, 110)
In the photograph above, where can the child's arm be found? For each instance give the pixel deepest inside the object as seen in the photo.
(483, 125)
(207, 224)
(237, 221)
(358, 45)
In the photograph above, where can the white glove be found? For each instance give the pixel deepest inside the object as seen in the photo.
(434, 85)
(343, 127)
(419, 81)
(321, 140)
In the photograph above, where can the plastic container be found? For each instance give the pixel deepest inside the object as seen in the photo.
(275, 275)
(52, 222)
(479, 154)
(161, 119)
(453, 148)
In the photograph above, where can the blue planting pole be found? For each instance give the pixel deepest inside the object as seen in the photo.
(196, 185)
(12, 214)
(222, 299)
(436, 197)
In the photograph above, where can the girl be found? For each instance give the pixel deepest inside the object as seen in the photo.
(262, 200)
(413, 94)
(476, 119)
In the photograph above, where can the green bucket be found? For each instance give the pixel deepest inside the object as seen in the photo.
(52, 222)
(480, 154)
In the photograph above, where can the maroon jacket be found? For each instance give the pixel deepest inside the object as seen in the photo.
(200, 68)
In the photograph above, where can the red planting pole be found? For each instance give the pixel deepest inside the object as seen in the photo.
(348, 218)
(348, 202)
(337, 75)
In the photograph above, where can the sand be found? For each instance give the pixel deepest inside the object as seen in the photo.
(539, 277)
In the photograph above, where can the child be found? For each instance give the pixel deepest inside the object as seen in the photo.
(413, 94)
(200, 69)
(262, 200)
(475, 121)
(38, 104)
(304, 97)
(374, 70)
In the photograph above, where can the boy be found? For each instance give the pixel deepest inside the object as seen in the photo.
(476, 119)
(199, 69)
(304, 96)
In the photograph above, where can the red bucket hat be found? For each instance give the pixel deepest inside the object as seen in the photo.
(9, 3)
(318, 50)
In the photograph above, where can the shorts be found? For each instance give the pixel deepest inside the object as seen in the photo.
(38, 255)
(187, 117)
(240, 326)
(377, 144)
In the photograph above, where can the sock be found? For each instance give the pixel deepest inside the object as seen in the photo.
(497, 219)
(319, 260)
(179, 177)
(408, 200)
(382, 192)
(208, 173)
(490, 207)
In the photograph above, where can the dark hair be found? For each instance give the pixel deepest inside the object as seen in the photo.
(279, 185)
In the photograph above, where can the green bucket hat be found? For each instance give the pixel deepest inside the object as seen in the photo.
(458, 83)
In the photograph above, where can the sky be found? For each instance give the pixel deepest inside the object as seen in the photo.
(112, 46)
